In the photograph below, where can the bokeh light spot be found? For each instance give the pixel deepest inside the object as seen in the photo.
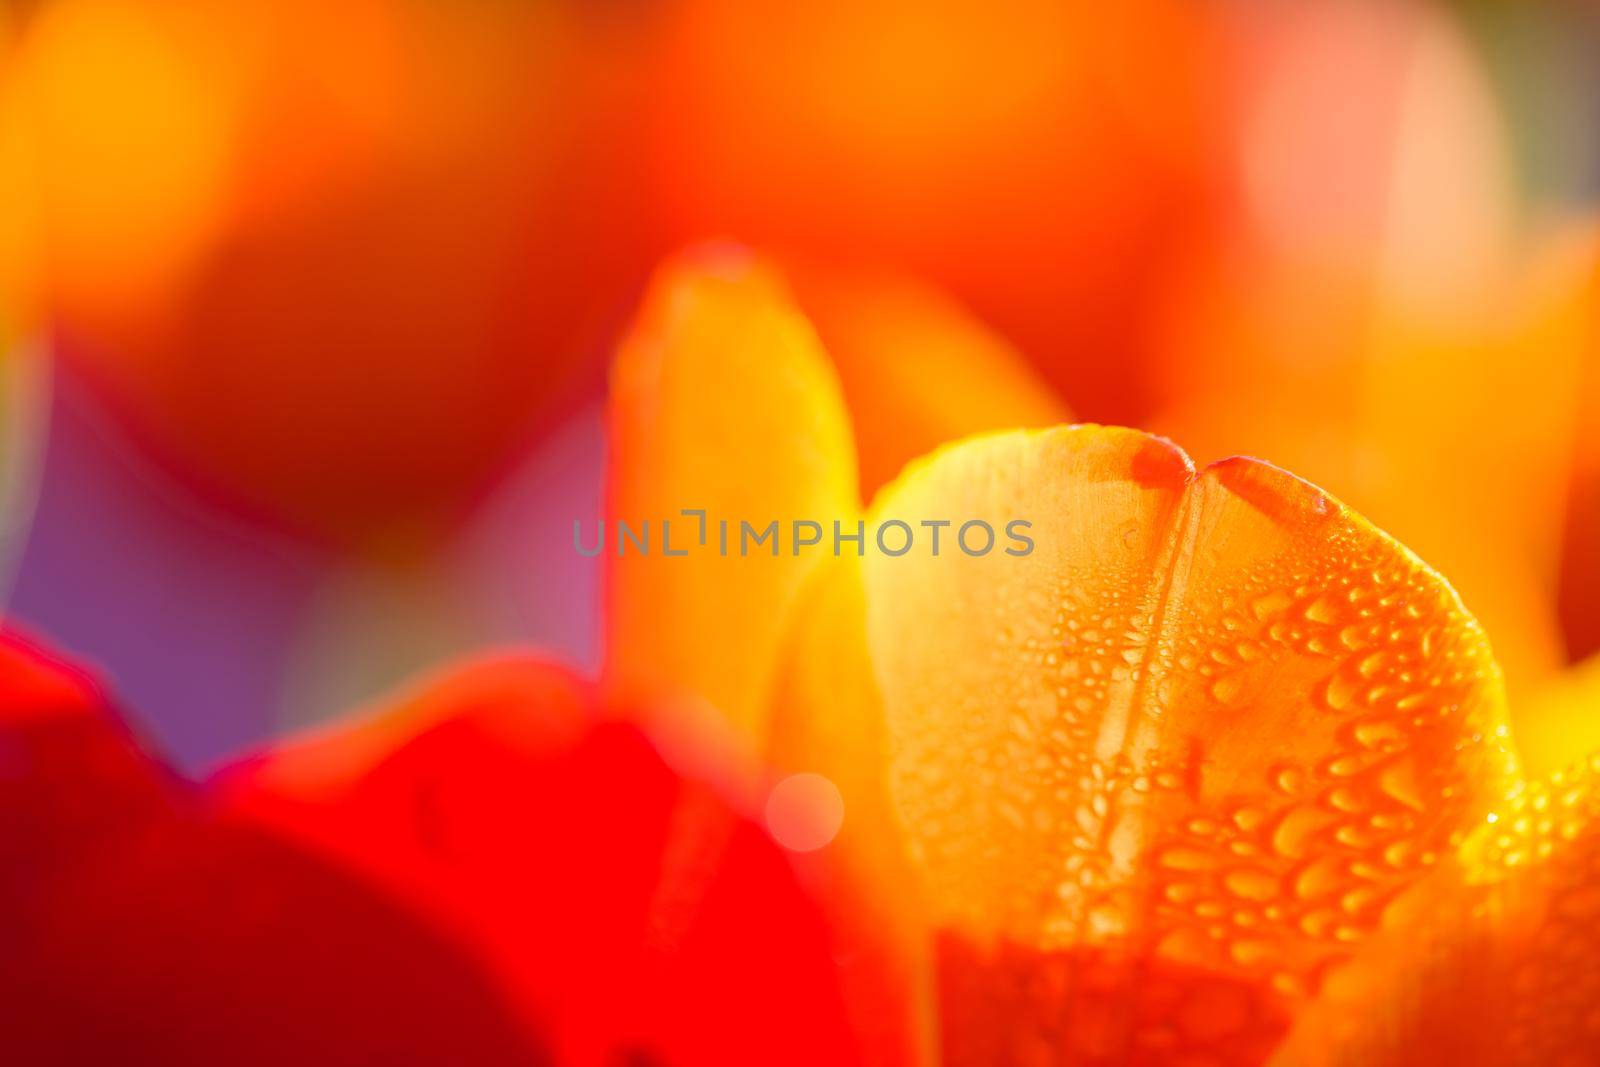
(804, 812)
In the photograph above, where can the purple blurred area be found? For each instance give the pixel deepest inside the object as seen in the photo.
(219, 634)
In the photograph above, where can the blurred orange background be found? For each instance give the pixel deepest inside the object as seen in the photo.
(305, 306)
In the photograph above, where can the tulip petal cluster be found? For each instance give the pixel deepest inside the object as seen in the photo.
(1217, 773)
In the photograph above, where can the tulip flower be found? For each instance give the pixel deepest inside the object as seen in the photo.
(1160, 790)
(1198, 765)
(1204, 766)
(934, 726)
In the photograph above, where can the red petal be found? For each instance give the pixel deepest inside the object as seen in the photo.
(634, 912)
(136, 928)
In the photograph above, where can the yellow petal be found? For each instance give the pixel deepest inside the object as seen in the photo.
(1162, 771)
(722, 400)
(828, 720)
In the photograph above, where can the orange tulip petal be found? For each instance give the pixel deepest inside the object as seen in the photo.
(770, 442)
(918, 370)
(1492, 961)
(1202, 732)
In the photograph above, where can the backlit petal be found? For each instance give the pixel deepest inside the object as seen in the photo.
(722, 399)
(1163, 771)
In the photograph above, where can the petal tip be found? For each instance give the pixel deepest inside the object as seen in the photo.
(1272, 490)
(1122, 453)
(721, 258)
(1160, 464)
